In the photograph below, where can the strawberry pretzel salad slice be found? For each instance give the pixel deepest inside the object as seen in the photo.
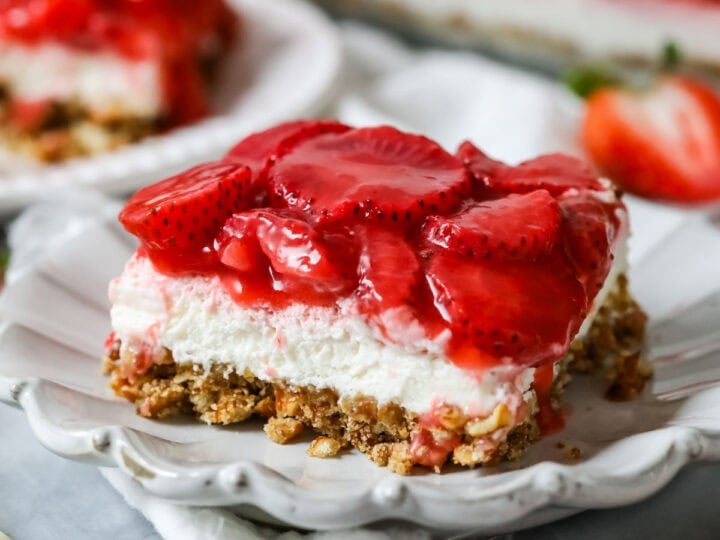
(368, 285)
(84, 76)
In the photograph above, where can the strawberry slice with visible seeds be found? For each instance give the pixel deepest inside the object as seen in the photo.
(555, 173)
(590, 228)
(260, 150)
(514, 227)
(372, 174)
(180, 216)
(293, 248)
(527, 312)
(388, 267)
(663, 143)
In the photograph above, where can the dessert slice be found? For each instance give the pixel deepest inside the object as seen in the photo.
(368, 285)
(80, 76)
(556, 33)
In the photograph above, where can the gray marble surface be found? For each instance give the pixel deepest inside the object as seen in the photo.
(44, 497)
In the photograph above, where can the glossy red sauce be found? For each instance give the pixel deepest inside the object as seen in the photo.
(176, 34)
(549, 419)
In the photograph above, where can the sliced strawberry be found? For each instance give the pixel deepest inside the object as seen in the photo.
(388, 268)
(526, 312)
(663, 143)
(371, 173)
(179, 217)
(590, 228)
(261, 148)
(291, 246)
(481, 167)
(237, 244)
(555, 173)
(517, 226)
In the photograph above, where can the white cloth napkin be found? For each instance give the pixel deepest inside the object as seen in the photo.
(448, 96)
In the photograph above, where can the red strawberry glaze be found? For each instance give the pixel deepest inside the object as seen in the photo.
(307, 244)
(549, 419)
(176, 34)
(109, 342)
(431, 448)
(26, 115)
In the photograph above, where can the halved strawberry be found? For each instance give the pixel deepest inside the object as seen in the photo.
(515, 227)
(555, 173)
(372, 174)
(663, 143)
(526, 312)
(178, 218)
(291, 246)
(590, 228)
(388, 267)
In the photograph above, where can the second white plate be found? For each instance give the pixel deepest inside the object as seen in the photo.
(285, 65)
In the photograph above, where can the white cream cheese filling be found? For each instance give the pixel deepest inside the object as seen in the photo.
(105, 82)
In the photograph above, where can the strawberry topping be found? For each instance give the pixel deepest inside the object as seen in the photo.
(260, 150)
(525, 312)
(369, 174)
(482, 167)
(387, 220)
(292, 247)
(174, 34)
(492, 229)
(590, 229)
(555, 173)
(177, 219)
(388, 268)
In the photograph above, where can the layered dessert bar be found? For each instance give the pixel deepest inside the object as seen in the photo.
(82, 76)
(370, 286)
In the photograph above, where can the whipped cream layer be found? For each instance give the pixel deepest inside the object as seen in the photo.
(105, 82)
(199, 322)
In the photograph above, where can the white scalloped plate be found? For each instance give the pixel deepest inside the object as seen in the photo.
(56, 315)
(286, 65)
